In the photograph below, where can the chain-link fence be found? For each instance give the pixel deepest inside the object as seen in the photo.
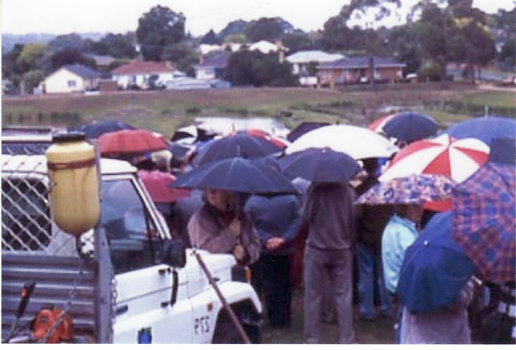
(35, 249)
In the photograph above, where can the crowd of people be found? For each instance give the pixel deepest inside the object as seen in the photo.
(349, 251)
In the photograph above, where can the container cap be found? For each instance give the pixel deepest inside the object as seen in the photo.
(68, 137)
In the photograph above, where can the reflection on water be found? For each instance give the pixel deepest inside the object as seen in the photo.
(225, 125)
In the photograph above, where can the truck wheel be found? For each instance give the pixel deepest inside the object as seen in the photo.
(226, 333)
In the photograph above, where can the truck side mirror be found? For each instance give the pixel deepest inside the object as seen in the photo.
(174, 253)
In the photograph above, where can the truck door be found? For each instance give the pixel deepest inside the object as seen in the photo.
(143, 284)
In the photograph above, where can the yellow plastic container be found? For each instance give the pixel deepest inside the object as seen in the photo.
(74, 195)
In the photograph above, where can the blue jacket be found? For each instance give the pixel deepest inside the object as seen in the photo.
(397, 236)
(276, 216)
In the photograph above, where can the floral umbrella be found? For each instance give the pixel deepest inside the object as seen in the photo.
(413, 189)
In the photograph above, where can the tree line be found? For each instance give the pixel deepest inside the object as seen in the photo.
(453, 33)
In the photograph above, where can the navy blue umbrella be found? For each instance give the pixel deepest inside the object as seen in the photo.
(484, 128)
(410, 126)
(239, 175)
(97, 128)
(435, 268)
(320, 165)
(240, 144)
(303, 128)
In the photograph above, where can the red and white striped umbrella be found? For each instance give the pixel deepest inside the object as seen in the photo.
(443, 155)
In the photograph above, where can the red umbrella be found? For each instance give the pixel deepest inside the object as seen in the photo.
(443, 155)
(377, 125)
(281, 143)
(130, 141)
(156, 182)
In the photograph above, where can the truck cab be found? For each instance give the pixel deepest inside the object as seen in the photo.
(116, 281)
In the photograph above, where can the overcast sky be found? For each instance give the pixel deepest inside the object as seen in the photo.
(120, 16)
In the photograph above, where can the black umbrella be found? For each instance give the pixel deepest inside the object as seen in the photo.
(237, 174)
(320, 165)
(410, 126)
(303, 128)
(95, 129)
(241, 144)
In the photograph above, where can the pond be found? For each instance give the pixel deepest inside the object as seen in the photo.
(225, 125)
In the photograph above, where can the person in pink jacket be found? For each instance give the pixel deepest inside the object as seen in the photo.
(221, 226)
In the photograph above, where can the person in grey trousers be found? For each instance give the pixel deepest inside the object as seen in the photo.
(328, 213)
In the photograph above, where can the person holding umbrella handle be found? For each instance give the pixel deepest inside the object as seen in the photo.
(219, 226)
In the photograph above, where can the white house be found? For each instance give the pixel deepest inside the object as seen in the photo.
(212, 65)
(301, 59)
(71, 78)
(264, 46)
(138, 73)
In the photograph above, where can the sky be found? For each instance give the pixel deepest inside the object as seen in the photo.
(120, 16)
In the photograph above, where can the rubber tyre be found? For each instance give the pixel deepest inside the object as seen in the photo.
(226, 333)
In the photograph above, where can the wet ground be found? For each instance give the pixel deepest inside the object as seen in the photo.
(379, 331)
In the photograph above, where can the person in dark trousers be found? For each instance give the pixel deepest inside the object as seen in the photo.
(329, 249)
(277, 221)
(370, 223)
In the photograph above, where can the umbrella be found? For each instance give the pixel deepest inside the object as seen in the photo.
(484, 220)
(413, 189)
(156, 182)
(303, 128)
(484, 128)
(320, 165)
(239, 144)
(355, 141)
(237, 174)
(377, 125)
(434, 268)
(97, 128)
(278, 141)
(456, 159)
(130, 141)
(410, 126)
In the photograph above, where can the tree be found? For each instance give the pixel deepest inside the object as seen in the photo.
(297, 42)
(265, 28)
(481, 49)
(335, 34)
(116, 45)
(239, 70)
(359, 8)
(211, 38)
(433, 31)
(404, 47)
(32, 79)
(268, 71)
(183, 55)
(508, 55)
(69, 56)
(68, 41)
(234, 27)
(255, 68)
(30, 57)
(239, 38)
(157, 29)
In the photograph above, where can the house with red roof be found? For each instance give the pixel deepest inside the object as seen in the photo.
(141, 74)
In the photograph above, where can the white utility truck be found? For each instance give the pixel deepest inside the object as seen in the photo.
(123, 281)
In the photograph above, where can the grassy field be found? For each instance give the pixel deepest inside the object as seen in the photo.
(165, 111)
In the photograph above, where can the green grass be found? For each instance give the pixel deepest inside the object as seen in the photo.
(165, 111)
(505, 99)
